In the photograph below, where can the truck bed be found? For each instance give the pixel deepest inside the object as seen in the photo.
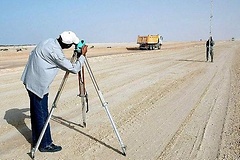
(150, 39)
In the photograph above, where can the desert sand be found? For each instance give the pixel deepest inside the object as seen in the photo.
(167, 104)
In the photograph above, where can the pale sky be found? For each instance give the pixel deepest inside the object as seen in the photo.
(101, 21)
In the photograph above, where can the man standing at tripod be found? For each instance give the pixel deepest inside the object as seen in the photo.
(43, 64)
(209, 45)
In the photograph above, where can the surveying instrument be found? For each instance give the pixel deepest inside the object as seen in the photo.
(84, 98)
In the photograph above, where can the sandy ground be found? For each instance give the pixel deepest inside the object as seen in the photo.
(167, 104)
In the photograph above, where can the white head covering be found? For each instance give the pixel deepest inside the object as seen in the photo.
(69, 37)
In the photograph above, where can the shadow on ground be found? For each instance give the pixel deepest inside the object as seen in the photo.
(72, 125)
(132, 48)
(16, 117)
(190, 60)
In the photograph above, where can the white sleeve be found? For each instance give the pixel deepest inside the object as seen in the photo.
(62, 62)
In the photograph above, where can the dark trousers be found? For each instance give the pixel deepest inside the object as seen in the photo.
(39, 114)
(211, 53)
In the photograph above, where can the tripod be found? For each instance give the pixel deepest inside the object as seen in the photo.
(104, 104)
(82, 93)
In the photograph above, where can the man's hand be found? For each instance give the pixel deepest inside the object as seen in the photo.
(84, 50)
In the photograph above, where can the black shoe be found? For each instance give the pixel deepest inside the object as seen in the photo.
(51, 148)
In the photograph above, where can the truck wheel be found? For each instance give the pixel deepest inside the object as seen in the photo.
(159, 47)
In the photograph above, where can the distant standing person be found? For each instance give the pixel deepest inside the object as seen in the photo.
(43, 64)
(209, 45)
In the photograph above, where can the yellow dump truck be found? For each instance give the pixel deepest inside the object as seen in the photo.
(150, 42)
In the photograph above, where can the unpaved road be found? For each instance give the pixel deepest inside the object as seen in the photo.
(167, 104)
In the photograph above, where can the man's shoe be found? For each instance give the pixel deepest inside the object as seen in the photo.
(51, 148)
